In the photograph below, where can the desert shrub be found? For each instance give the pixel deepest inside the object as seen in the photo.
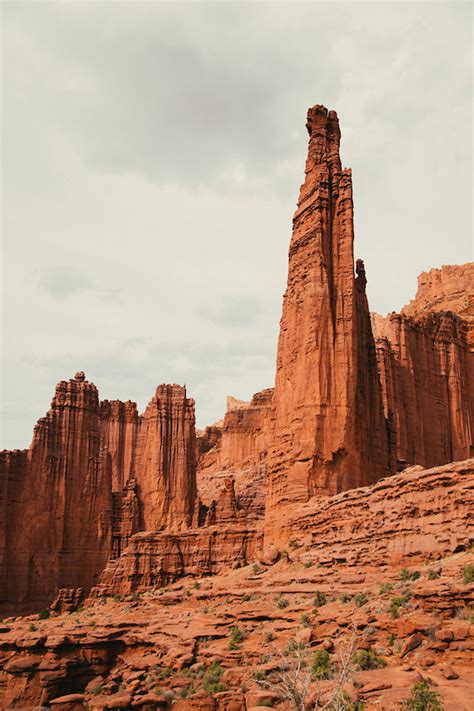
(294, 544)
(468, 574)
(162, 672)
(293, 646)
(396, 603)
(169, 695)
(305, 619)
(256, 569)
(211, 680)
(282, 602)
(360, 599)
(385, 588)
(245, 597)
(320, 599)
(415, 575)
(422, 699)
(117, 597)
(391, 640)
(44, 614)
(404, 574)
(308, 563)
(259, 674)
(32, 628)
(321, 664)
(345, 598)
(236, 636)
(196, 585)
(366, 659)
(97, 689)
(433, 574)
(268, 637)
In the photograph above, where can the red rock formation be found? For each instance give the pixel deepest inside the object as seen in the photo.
(118, 431)
(330, 431)
(237, 446)
(424, 375)
(57, 504)
(165, 462)
(159, 558)
(416, 515)
(450, 288)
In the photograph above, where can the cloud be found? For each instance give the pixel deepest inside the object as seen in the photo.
(152, 154)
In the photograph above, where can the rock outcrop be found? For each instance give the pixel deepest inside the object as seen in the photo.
(330, 432)
(57, 503)
(155, 559)
(118, 430)
(378, 571)
(423, 364)
(165, 462)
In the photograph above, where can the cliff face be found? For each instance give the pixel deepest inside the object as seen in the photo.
(118, 432)
(57, 504)
(330, 432)
(450, 288)
(425, 357)
(165, 468)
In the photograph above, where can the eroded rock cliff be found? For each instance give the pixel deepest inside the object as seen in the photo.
(57, 502)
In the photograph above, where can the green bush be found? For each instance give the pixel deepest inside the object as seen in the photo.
(294, 544)
(468, 574)
(282, 602)
(259, 674)
(366, 659)
(345, 598)
(385, 588)
(308, 564)
(268, 637)
(422, 699)
(97, 689)
(43, 614)
(245, 597)
(360, 599)
(236, 636)
(321, 664)
(211, 680)
(320, 599)
(196, 585)
(32, 627)
(433, 574)
(396, 603)
(305, 619)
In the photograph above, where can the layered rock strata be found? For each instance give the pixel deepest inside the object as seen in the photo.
(165, 462)
(57, 503)
(118, 430)
(155, 559)
(423, 365)
(342, 574)
(330, 432)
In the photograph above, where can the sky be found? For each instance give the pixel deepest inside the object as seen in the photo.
(152, 154)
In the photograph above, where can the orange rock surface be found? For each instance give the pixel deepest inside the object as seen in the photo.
(395, 593)
(56, 503)
(165, 462)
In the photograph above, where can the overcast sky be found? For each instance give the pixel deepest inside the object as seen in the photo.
(152, 156)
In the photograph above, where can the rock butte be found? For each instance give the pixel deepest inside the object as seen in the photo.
(357, 464)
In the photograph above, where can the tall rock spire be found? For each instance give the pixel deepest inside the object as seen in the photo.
(330, 432)
(165, 465)
(56, 502)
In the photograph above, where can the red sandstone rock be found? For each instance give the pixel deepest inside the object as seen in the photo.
(56, 505)
(118, 429)
(425, 382)
(165, 463)
(330, 430)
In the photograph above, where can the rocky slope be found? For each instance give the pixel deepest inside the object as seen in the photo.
(390, 588)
